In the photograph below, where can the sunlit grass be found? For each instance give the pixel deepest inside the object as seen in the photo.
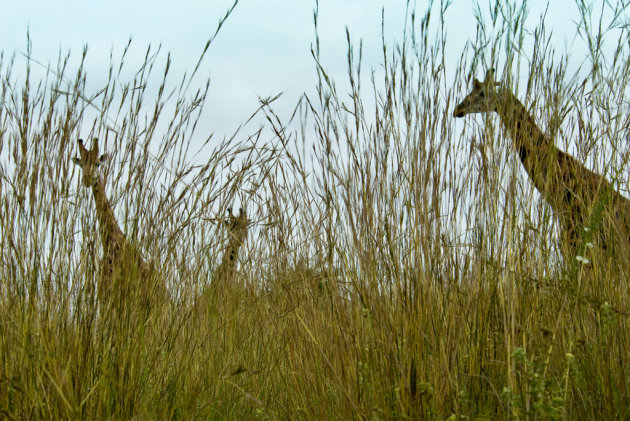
(397, 265)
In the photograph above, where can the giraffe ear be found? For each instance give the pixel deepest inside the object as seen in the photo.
(77, 161)
(477, 84)
(102, 158)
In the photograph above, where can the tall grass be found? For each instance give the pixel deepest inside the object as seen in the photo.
(398, 265)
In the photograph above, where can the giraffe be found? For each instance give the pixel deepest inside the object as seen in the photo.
(122, 264)
(237, 226)
(585, 204)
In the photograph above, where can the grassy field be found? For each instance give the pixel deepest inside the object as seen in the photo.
(397, 265)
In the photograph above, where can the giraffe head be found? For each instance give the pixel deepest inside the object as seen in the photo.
(237, 229)
(482, 99)
(88, 160)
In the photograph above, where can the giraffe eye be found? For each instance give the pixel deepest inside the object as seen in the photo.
(482, 94)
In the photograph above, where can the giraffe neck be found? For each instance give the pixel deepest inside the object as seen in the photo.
(111, 234)
(573, 191)
(227, 267)
(535, 150)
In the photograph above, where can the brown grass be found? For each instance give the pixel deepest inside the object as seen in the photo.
(398, 265)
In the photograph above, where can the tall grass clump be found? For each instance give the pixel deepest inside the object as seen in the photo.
(397, 264)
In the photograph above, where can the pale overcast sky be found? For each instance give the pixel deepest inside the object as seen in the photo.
(263, 48)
